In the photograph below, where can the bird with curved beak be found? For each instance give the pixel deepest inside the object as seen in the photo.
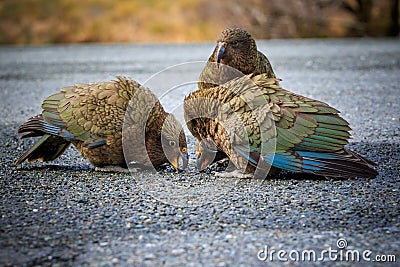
(310, 135)
(237, 49)
(111, 124)
(276, 128)
(207, 153)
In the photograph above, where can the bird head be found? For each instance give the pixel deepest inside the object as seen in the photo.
(173, 141)
(236, 48)
(207, 154)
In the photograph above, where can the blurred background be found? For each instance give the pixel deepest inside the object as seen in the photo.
(146, 21)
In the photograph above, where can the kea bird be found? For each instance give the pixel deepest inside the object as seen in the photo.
(234, 55)
(256, 123)
(107, 122)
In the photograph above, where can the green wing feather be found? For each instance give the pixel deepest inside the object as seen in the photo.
(89, 112)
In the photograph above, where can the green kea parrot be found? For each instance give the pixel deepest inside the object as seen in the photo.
(256, 123)
(237, 49)
(96, 117)
(234, 55)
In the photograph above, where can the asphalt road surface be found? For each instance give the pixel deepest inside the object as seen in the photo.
(64, 213)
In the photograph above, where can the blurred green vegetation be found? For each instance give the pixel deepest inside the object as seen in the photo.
(70, 21)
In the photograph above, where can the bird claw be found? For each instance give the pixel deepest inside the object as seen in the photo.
(234, 174)
(112, 168)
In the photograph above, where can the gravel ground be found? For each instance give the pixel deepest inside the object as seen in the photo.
(64, 213)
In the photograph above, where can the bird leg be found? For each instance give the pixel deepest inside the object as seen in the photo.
(235, 174)
(114, 168)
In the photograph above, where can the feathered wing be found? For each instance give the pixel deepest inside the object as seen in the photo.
(90, 112)
(310, 136)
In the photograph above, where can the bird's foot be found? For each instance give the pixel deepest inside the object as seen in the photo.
(114, 168)
(235, 174)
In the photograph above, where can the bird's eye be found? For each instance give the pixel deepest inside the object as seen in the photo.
(172, 143)
(184, 149)
(235, 43)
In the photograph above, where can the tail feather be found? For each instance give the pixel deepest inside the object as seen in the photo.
(47, 148)
(344, 163)
(37, 126)
(33, 127)
(53, 142)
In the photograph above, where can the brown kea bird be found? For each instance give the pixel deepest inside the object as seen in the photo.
(98, 119)
(236, 51)
(234, 55)
(258, 124)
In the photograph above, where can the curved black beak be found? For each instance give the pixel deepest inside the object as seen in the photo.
(205, 159)
(220, 51)
(180, 162)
